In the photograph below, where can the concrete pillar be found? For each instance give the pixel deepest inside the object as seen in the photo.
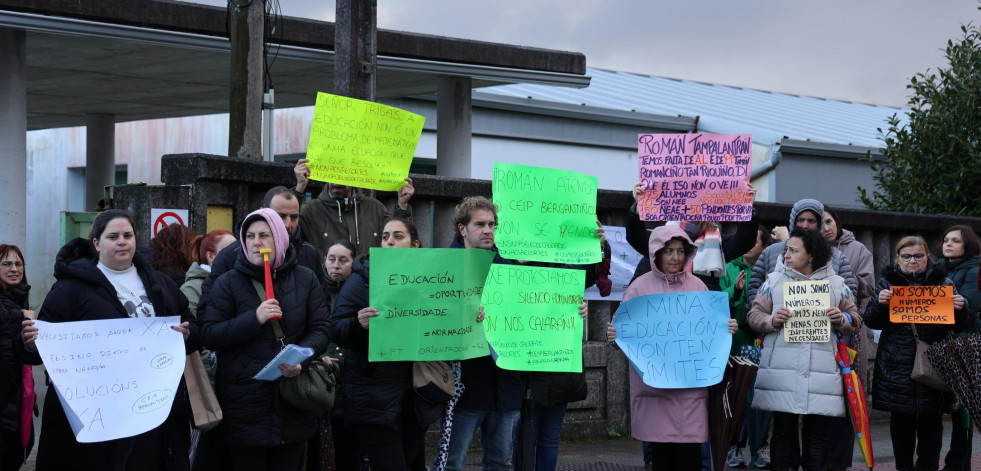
(100, 157)
(454, 116)
(13, 138)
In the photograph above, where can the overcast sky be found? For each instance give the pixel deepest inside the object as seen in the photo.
(864, 51)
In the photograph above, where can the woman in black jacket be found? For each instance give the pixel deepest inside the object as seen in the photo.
(261, 430)
(378, 398)
(97, 279)
(13, 373)
(916, 410)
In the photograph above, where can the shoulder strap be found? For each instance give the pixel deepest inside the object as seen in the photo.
(275, 323)
(915, 335)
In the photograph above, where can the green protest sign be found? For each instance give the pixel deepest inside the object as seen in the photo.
(545, 214)
(531, 317)
(361, 143)
(427, 301)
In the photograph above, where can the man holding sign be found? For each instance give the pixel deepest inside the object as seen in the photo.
(492, 398)
(362, 143)
(798, 373)
(344, 212)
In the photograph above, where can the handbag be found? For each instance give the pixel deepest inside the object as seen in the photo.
(312, 390)
(433, 380)
(923, 371)
(204, 405)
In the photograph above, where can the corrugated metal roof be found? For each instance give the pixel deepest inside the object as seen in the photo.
(768, 116)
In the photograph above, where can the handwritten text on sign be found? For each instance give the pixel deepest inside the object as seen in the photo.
(676, 340)
(428, 301)
(922, 304)
(545, 214)
(694, 177)
(115, 378)
(531, 317)
(808, 302)
(361, 143)
(622, 264)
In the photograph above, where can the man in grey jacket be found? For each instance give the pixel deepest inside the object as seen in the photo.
(806, 214)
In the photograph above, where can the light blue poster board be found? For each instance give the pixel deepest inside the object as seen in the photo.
(676, 340)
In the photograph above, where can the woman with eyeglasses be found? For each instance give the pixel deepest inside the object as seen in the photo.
(916, 410)
(13, 308)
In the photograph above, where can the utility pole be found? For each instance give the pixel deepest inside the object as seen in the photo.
(356, 48)
(245, 31)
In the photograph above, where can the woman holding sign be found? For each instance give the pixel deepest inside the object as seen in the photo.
(915, 423)
(798, 373)
(98, 279)
(261, 429)
(378, 397)
(675, 421)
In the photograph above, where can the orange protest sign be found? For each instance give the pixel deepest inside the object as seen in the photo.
(922, 304)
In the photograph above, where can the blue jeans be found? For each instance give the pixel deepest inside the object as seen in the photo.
(548, 428)
(496, 432)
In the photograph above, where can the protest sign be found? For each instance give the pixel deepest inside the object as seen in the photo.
(922, 304)
(115, 378)
(361, 143)
(676, 340)
(545, 214)
(427, 301)
(807, 301)
(623, 262)
(694, 177)
(531, 317)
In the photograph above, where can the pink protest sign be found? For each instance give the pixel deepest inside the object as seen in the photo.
(694, 177)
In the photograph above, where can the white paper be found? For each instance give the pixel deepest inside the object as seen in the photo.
(115, 378)
(291, 355)
(622, 265)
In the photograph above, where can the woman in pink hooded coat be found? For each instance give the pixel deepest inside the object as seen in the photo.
(674, 420)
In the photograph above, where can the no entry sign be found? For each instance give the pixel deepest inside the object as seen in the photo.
(161, 218)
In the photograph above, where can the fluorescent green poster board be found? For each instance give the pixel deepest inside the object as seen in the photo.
(361, 143)
(532, 317)
(545, 214)
(427, 301)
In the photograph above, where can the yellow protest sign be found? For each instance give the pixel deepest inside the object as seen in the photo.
(922, 304)
(808, 302)
(361, 143)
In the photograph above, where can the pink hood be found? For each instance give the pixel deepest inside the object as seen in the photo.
(659, 238)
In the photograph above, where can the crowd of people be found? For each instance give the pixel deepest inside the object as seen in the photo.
(317, 252)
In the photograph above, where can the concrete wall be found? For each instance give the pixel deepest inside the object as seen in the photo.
(834, 180)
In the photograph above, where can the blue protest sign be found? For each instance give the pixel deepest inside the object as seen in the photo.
(676, 340)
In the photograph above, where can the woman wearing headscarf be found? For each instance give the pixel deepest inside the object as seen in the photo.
(261, 430)
(916, 410)
(674, 421)
(801, 379)
(102, 278)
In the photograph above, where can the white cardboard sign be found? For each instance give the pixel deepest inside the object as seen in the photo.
(115, 378)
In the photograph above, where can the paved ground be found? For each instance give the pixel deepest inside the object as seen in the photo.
(626, 455)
